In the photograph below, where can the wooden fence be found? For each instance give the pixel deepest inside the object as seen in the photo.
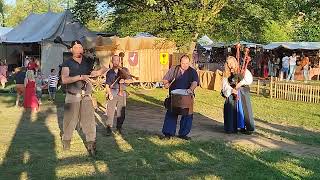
(286, 90)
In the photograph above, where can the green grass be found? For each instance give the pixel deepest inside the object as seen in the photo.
(30, 146)
(302, 120)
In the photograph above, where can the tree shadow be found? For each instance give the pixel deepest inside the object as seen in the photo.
(152, 158)
(149, 99)
(297, 134)
(31, 154)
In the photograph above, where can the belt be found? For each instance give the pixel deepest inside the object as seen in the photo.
(79, 94)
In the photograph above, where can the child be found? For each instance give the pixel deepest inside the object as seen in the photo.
(52, 84)
(39, 85)
(30, 98)
(3, 74)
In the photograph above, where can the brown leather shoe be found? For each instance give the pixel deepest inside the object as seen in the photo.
(66, 145)
(91, 148)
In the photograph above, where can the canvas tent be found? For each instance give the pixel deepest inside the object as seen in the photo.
(43, 29)
(293, 45)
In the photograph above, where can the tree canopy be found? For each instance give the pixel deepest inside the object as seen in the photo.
(185, 20)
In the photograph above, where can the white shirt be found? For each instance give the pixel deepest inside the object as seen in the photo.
(53, 80)
(285, 62)
(26, 62)
(292, 60)
(227, 89)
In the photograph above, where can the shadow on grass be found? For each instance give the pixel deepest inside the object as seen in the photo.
(31, 154)
(142, 155)
(292, 133)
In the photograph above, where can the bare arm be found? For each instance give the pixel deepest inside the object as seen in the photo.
(194, 84)
(99, 72)
(66, 79)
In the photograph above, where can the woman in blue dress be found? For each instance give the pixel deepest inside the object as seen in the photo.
(237, 107)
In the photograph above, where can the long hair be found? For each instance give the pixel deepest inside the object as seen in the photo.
(30, 75)
(227, 70)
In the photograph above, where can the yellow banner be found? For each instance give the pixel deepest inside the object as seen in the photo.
(164, 58)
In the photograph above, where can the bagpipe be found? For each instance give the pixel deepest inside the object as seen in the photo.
(122, 74)
(88, 55)
(236, 77)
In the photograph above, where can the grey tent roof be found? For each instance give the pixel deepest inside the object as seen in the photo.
(143, 34)
(294, 45)
(5, 30)
(207, 43)
(247, 44)
(39, 27)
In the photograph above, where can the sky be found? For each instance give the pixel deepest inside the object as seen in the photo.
(10, 1)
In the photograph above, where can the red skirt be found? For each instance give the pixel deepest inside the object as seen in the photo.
(30, 98)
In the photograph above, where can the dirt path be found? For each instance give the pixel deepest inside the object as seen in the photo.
(150, 118)
(204, 128)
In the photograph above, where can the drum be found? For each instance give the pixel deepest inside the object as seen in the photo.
(181, 102)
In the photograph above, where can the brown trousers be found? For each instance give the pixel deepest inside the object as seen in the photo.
(79, 110)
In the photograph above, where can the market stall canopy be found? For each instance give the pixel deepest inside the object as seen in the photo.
(208, 44)
(40, 27)
(293, 45)
(248, 44)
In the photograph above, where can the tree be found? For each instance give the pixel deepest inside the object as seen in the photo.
(85, 10)
(181, 21)
(2, 12)
(14, 14)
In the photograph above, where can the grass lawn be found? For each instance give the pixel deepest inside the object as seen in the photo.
(30, 146)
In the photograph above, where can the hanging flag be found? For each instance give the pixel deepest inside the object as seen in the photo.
(133, 58)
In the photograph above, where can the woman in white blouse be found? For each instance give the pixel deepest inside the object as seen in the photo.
(237, 108)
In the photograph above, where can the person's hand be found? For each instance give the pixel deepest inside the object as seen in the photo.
(110, 96)
(238, 86)
(94, 74)
(189, 91)
(84, 77)
(122, 81)
(234, 91)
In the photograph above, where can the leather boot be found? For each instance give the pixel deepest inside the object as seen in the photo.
(91, 148)
(66, 145)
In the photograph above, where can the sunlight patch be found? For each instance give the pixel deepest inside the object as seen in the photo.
(82, 170)
(26, 157)
(24, 175)
(182, 157)
(207, 153)
(171, 142)
(122, 143)
(292, 169)
(98, 117)
(205, 177)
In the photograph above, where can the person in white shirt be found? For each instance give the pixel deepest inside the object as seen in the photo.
(26, 61)
(292, 65)
(52, 84)
(285, 67)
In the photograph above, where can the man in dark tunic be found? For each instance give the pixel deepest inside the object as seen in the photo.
(115, 86)
(78, 103)
(180, 77)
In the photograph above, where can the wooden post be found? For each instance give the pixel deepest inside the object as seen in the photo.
(275, 90)
(297, 87)
(258, 88)
(271, 90)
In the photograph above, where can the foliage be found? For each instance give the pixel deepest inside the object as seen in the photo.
(181, 21)
(14, 14)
